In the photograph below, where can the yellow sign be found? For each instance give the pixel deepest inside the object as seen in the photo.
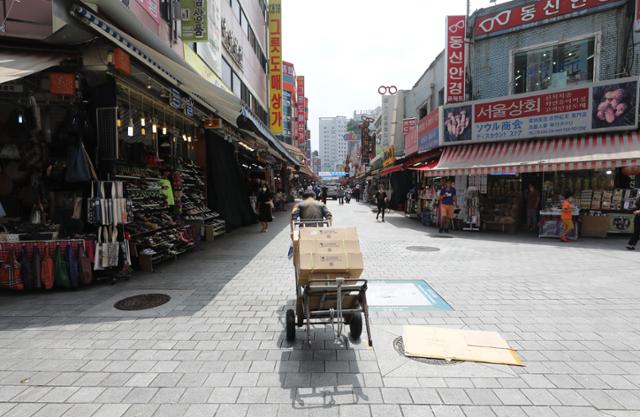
(389, 156)
(275, 67)
(202, 68)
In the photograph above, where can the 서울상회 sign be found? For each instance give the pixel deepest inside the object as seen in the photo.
(604, 106)
(536, 13)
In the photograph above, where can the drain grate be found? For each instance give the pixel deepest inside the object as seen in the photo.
(423, 248)
(142, 302)
(398, 345)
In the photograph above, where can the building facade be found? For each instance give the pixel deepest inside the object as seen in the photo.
(333, 147)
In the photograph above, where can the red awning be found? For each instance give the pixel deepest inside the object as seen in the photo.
(422, 157)
(609, 150)
(391, 170)
(427, 166)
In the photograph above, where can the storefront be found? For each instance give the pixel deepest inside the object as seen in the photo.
(495, 178)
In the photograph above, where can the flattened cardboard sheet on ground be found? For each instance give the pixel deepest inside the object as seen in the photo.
(458, 344)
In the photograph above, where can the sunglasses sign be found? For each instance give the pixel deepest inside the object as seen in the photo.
(455, 59)
(537, 13)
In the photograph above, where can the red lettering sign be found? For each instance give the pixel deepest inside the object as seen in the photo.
(62, 84)
(455, 59)
(121, 61)
(538, 105)
(537, 13)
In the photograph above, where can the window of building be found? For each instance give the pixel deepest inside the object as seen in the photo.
(244, 23)
(554, 66)
(245, 95)
(235, 7)
(441, 97)
(226, 73)
(254, 42)
(236, 85)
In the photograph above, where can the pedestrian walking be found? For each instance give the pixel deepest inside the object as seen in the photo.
(381, 202)
(341, 195)
(356, 193)
(265, 205)
(533, 204)
(636, 225)
(323, 195)
(566, 216)
(447, 200)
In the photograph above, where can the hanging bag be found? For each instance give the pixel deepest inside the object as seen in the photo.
(47, 275)
(61, 276)
(26, 272)
(98, 253)
(10, 273)
(79, 166)
(85, 268)
(74, 269)
(114, 248)
(36, 267)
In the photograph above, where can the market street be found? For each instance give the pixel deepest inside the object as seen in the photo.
(217, 348)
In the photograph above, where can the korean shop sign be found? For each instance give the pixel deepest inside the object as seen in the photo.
(275, 67)
(389, 156)
(455, 59)
(194, 20)
(429, 131)
(537, 13)
(410, 132)
(601, 107)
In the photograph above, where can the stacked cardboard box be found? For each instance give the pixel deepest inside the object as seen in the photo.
(327, 253)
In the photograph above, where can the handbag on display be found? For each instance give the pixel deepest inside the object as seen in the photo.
(10, 273)
(79, 166)
(61, 274)
(36, 269)
(114, 248)
(26, 271)
(74, 271)
(85, 267)
(47, 275)
(98, 252)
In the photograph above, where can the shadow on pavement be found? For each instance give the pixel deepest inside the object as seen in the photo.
(193, 281)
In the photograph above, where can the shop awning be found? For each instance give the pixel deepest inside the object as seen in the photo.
(15, 65)
(560, 154)
(208, 95)
(391, 170)
(264, 131)
(426, 166)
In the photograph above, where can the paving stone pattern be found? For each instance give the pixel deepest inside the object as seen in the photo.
(218, 347)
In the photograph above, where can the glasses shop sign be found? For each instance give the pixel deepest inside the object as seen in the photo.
(600, 107)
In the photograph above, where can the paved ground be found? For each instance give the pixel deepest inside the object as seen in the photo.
(217, 348)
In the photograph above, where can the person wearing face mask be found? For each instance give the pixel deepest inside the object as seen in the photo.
(265, 205)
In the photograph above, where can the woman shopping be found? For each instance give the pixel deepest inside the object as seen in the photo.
(265, 205)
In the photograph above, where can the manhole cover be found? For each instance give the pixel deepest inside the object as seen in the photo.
(423, 248)
(398, 345)
(142, 302)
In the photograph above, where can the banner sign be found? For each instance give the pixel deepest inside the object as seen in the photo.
(537, 13)
(429, 131)
(411, 142)
(300, 110)
(408, 125)
(275, 67)
(389, 156)
(367, 142)
(455, 59)
(332, 174)
(194, 20)
(152, 7)
(202, 68)
(600, 107)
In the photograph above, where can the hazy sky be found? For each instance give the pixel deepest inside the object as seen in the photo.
(347, 48)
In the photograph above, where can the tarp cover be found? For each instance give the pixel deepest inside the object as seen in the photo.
(15, 65)
(226, 189)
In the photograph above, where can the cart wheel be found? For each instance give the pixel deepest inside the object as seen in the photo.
(355, 326)
(291, 325)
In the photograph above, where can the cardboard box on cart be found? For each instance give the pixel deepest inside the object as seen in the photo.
(327, 253)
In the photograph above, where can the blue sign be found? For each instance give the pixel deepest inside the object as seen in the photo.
(332, 174)
(429, 141)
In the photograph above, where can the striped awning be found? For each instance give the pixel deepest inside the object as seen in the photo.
(609, 150)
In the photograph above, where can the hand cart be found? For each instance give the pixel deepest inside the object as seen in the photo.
(328, 299)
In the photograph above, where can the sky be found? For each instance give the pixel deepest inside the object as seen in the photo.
(347, 48)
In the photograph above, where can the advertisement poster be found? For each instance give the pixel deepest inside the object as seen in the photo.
(410, 133)
(455, 59)
(211, 50)
(537, 13)
(275, 67)
(194, 21)
(152, 7)
(429, 131)
(620, 223)
(605, 106)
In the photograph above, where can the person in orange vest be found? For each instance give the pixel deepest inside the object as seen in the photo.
(566, 216)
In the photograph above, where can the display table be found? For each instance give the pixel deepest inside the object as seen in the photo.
(595, 226)
(551, 224)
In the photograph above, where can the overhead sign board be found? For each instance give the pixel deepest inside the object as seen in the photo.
(455, 58)
(429, 131)
(605, 106)
(194, 21)
(275, 66)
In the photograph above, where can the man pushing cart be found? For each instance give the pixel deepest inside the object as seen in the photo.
(328, 264)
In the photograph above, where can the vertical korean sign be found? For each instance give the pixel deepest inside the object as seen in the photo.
(410, 133)
(275, 67)
(455, 59)
(300, 111)
(194, 20)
